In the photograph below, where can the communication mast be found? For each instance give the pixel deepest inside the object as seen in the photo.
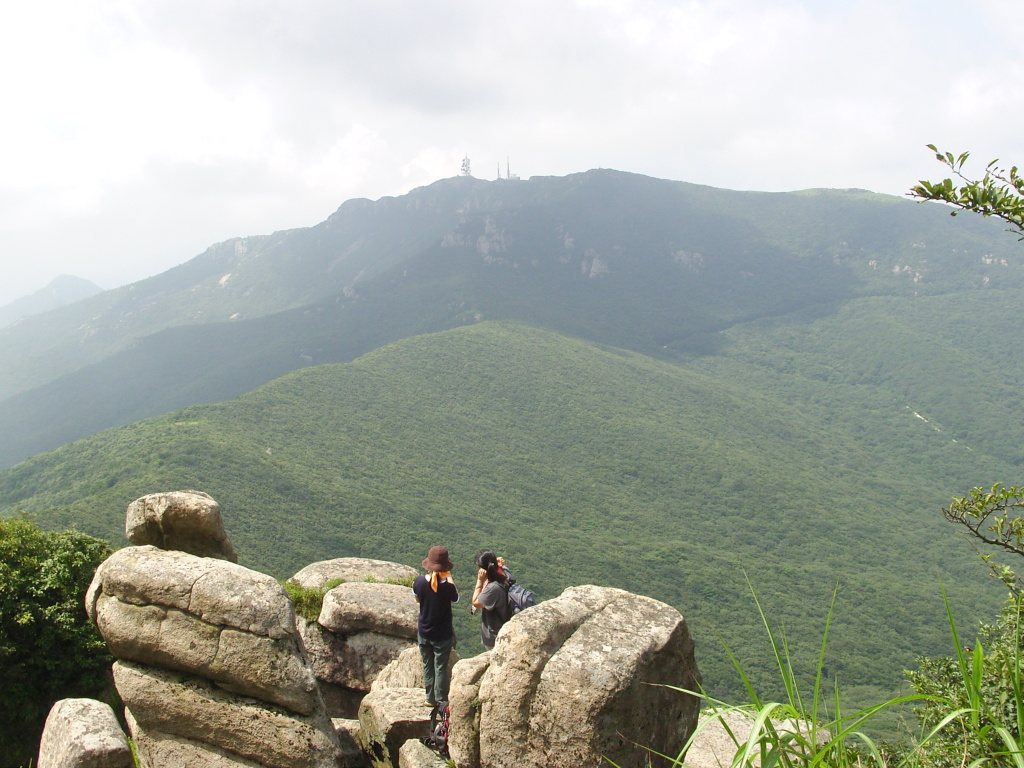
(465, 166)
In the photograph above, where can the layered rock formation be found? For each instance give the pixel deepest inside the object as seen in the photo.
(210, 665)
(215, 670)
(364, 624)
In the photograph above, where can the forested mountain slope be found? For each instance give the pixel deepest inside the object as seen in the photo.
(654, 266)
(588, 464)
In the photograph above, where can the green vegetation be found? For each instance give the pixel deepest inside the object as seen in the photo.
(974, 701)
(584, 465)
(656, 267)
(783, 383)
(999, 193)
(49, 650)
(970, 710)
(308, 600)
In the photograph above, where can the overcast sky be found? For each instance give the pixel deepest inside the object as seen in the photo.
(136, 134)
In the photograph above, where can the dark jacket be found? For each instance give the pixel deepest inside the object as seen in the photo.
(435, 622)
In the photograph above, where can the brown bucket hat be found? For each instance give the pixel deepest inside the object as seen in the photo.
(438, 560)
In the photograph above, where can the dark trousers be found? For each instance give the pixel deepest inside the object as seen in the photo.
(436, 677)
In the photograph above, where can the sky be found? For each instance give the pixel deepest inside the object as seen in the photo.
(138, 133)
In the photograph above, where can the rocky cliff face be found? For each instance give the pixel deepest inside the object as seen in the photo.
(215, 671)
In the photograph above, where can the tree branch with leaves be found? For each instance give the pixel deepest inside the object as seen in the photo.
(996, 519)
(999, 193)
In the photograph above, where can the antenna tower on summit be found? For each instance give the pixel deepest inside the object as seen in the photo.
(465, 166)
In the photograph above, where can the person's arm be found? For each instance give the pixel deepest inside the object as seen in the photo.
(481, 580)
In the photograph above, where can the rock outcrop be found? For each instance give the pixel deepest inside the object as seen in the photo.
(216, 671)
(389, 717)
(720, 736)
(568, 683)
(210, 667)
(363, 626)
(83, 733)
(188, 521)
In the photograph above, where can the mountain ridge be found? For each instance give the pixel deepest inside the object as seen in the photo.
(59, 292)
(652, 265)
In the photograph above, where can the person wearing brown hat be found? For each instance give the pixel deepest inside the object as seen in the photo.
(435, 592)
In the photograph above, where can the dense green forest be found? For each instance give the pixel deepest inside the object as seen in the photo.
(610, 378)
(589, 464)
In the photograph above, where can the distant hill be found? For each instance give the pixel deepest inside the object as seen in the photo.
(64, 290)
(654, 266)
(585, 464)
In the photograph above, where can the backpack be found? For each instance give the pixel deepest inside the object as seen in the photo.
(440, 724)
(519, 597)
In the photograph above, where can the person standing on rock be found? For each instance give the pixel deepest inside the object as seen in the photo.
(435, 592)
(490, 595)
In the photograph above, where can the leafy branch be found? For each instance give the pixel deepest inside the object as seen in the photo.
(996, 518)
(999, 193)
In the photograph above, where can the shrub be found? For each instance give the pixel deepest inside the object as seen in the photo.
(975, 698)
(49, 650)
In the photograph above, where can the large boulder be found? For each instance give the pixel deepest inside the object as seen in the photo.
(83, 733)
(387, 609)
(350, 569)
(327, 654)
(165, 750)
(464, 699)
(213, 590)
(170, 704)
(352, 755)
(387, 719)
(209, 618)
(415, 754)
(188, 521)
(720, 735)
(578, 680)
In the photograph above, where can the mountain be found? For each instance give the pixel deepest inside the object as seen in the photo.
(65, 289)
(616, 379)
(582, 464)
(654, 266)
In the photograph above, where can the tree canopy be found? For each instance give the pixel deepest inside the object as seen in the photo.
(49, 650)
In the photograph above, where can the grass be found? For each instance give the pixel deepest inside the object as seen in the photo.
(309, 600)
(808, 729)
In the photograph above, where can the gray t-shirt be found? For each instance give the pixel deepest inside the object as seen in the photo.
(494, 598)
